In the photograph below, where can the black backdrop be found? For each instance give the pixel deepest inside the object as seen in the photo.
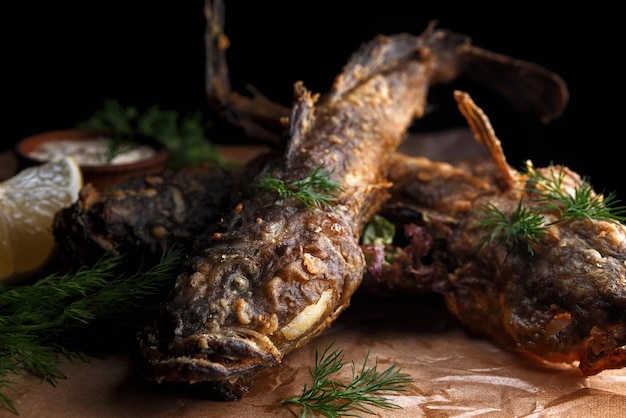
(63, 61)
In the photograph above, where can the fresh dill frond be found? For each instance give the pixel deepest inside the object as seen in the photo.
(185, 136)
(112, 117)
(585, 204)
(116, 146)
(316, 190)
(526, 227)
(365, 390)
(117, 120)
(523, 229)
(581, 202)
(40, 322)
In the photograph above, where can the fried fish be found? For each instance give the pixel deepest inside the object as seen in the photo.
(535, 260)
(275, 272)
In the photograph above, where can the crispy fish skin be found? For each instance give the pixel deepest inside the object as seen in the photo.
(143, 216)
(566, 303)
(275, 274)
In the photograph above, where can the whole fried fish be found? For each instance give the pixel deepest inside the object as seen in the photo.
(143, 216)
(275, 272)
(536, 260)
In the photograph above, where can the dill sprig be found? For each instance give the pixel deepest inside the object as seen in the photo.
(334, 399)
(315, 190)
(185, 136)
(117, 146)
(38, 322)
(523, 229)
(582, 202)
(526, 227)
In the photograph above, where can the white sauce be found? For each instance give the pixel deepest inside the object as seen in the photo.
(89, 152)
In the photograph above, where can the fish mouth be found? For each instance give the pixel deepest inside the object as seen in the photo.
(226, 361)
(604, 349)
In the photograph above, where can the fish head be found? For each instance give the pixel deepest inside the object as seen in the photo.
(251, 296)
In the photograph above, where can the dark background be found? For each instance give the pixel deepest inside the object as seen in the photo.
(63, 61)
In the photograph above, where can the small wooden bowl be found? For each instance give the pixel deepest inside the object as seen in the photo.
(100, 176)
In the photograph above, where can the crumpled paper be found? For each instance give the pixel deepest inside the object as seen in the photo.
(453, 374)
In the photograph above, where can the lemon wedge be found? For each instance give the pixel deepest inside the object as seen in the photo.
(28, 202)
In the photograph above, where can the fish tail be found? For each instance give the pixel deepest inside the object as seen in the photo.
(527, 87)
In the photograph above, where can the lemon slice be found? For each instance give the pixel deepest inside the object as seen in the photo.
(28, 203)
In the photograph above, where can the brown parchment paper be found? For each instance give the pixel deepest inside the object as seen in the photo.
(454, 374)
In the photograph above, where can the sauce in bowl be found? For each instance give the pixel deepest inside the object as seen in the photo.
(138, 155)
(91, 151)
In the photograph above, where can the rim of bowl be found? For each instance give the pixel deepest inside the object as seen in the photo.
(29, 143)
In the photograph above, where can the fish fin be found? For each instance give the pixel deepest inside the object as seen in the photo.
(302, 117)
(485, 135)
(526, 86)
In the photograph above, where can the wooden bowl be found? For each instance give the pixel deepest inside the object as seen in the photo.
(100, 176)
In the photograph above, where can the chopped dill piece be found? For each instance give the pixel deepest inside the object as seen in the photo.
(582, 202)
(523, 229)
(116, 147)
(185, 136)
(526, 227)
(334, 399)
(316, 190)
(42, 321)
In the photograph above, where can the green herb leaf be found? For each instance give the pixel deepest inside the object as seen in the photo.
(334, 399)
(184, 136)
(523, 229)
(112, 117)
(315, 190)
(37, 321)
(378, 231)
(117, 146)
(582, 202)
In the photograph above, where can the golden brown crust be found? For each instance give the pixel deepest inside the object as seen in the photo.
(564, 303)
(274, 274)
